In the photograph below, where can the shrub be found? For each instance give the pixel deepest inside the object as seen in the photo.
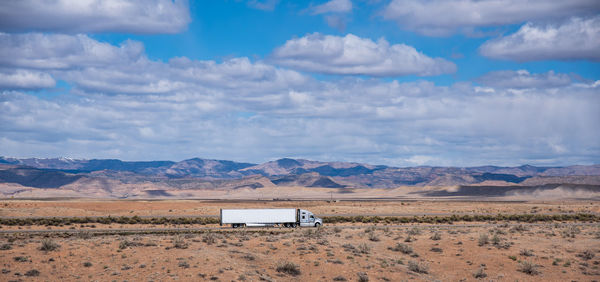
(49, 245)
(436, 249)
(436, 236)
(414, 231)
(289, 268)
(403, 248)
(526, 253)
(32, 273)
(362, 277)
(21, 259)
(87, 264)
(249, 257)
(586, 255)
(483, 240)
(518, 228)
(417, 267)
(179, 243)
(124, 244)
(210, 239)
(373, 237)
(570, 232)
(496, 239)
(556, 261)
(480, 273)
(364, 248)
(348, 247)
(335, 261)
(339, 278)
(184, 264)
(5, 247)
(337, 229)
(528, 268)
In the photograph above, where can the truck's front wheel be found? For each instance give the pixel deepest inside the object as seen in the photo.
(317, 224)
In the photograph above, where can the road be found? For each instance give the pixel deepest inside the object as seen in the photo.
(123, 231)
(320, 215)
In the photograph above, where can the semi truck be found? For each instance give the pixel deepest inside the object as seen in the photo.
(269, 217)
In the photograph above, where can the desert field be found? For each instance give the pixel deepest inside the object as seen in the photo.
(350, 251)
(95, 207)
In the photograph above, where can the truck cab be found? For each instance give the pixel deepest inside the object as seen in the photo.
(309, 219)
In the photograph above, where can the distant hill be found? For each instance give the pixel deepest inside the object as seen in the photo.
(198, 173)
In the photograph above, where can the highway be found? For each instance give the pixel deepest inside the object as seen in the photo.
(319, 215)
(132, 231)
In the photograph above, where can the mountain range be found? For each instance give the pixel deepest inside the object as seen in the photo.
(197, 173)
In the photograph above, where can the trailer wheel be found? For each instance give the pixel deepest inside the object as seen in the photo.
(294, 225)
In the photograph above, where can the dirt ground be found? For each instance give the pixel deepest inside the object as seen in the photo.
(332, 253)
(79, 207)
(335, 252)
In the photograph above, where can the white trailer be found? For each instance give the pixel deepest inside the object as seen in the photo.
(269, 217)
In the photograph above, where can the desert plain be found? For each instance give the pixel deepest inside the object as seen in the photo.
(338, 251)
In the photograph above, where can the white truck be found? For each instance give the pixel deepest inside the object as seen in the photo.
(269, 217)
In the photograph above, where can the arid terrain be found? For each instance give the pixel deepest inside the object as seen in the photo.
(491, 250)
(287, 178)
(95, 207)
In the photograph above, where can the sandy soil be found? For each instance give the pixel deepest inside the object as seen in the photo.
(320, 255)
(333, 253)
(83, 207)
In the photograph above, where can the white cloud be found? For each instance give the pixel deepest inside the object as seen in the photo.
(101, 67)
(58, 51)
(265, 5)
(336, 22)
(357, 56)
(386, 122)
(124, 105)
(444, 17)
(25, 79)
(576, 39)
(523, 79)
(333, 6)
(72, 16)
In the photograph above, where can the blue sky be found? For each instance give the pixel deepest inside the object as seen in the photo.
(396, 82)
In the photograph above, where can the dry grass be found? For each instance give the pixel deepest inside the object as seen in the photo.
(289, 268)
(49, 245)
(418, 267)
(528, 268)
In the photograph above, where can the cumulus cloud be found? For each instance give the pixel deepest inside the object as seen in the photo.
(130, 107)
(180, 74)
(105, 68)
(444, 17)
(25, 79)
(523, 79)
(387, 122)
(576, 39)
(357, 56)
(335, 13)
(73, 16)
(58, 51)
(333, 6)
